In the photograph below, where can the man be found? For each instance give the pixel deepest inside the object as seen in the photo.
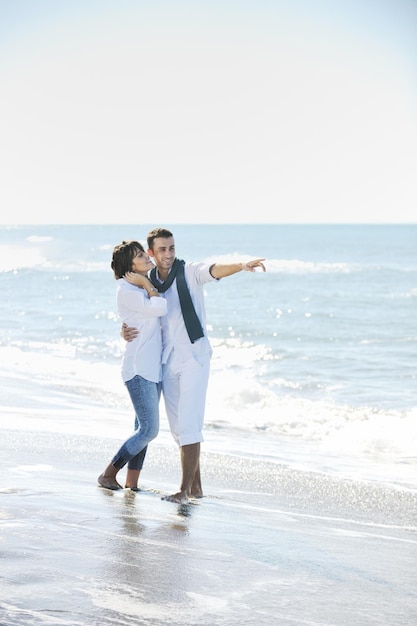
(186, 350)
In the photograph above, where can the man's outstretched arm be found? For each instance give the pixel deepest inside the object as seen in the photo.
(220, 270)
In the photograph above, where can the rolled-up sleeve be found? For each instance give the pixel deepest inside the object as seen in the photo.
(135, 301)
(199, 273)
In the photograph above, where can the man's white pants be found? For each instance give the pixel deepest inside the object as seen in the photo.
(184, 386)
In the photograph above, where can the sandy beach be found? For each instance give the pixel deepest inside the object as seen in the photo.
(267, 545)
(309, 464)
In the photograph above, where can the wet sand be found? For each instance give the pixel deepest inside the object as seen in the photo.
(267, 545)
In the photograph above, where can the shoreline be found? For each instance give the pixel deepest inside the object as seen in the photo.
(306, 456)
(268, 544)
(321, 492)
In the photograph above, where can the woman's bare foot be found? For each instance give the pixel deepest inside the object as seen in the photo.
(132, 477)
(108, 482)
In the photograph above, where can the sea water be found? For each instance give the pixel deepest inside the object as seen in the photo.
(314, 361)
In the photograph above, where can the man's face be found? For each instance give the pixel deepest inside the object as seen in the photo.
(163, 252)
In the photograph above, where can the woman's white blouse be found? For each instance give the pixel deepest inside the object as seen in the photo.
(142, 356)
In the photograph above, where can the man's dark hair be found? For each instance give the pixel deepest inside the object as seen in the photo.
(123, 255)
(157, 232)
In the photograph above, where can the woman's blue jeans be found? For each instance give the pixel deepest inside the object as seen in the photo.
(145, 399)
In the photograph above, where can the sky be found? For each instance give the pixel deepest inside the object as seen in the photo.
(285, 111)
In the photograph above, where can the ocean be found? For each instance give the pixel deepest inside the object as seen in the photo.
(309, 461)
(314, 362)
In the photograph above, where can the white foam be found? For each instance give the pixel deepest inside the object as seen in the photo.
(290, 266)
(65, 393)
(13, 258)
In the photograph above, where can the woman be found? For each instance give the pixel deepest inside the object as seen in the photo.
(142, 307)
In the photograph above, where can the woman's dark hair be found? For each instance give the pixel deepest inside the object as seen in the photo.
(123, 255)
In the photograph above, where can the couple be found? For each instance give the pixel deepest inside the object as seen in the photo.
(179, 355)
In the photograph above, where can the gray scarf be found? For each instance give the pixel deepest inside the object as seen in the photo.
(191, 321)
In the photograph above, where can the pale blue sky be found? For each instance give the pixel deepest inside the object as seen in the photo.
(220, 111)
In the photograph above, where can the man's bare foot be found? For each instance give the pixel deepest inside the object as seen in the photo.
(108, 483)
(132, 488)
(180, 498)
(196, 488)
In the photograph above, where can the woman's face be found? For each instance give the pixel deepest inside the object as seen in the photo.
(141, 263)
